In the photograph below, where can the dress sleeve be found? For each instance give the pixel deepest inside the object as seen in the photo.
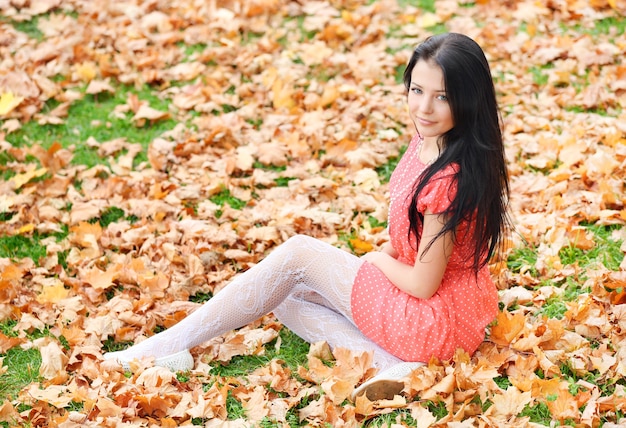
(438, 194)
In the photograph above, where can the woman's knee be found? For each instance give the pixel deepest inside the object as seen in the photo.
(299, 241)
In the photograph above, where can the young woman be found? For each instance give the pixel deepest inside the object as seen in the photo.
(428, 292)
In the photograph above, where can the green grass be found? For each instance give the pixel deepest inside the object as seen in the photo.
(225, 197)
(606, 251)
(23, 369)
(112, 215)
(384, 171)
(22, 364)
(29, 27)
(426, 5)
(612, 25)
(18, 247)
(293, 351)
(538, 413)
(93, 116)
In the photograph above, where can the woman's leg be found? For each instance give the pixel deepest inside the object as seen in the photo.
(316, 322)
(301, 261)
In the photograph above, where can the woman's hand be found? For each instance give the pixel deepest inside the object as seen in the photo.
(388, 249)
(374, 256)
(424, 278)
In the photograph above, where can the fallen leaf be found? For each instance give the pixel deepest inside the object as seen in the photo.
(8, 102)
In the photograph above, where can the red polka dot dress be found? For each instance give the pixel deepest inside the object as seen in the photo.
(408, 327)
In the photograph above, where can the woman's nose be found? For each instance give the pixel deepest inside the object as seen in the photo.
(426, 104)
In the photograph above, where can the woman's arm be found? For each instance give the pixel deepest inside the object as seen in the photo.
(423, 279)
(388, 249)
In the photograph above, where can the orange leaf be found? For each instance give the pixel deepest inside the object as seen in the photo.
(545, 387)
(153, 405)
(7, 342)
(564, 407)
(86, 234)
(53, 360)
(361, 246)
(98, 279)
(53, 293)
(507, 328)
(510, 403)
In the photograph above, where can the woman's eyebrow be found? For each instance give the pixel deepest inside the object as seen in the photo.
(420, 86)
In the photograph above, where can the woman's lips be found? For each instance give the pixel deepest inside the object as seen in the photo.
(425, 122)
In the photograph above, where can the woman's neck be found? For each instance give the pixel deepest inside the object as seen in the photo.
(429, 150)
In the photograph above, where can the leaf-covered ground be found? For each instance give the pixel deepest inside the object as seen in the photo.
(150, 150)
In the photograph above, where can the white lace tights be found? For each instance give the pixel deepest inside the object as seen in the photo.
(305, 282)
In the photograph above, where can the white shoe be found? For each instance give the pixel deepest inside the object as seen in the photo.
(180, 361)
(387, 384)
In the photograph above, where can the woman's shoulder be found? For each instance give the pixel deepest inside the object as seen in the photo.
(447, 172)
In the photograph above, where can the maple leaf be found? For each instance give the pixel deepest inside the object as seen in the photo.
(564, 406)
(99, 279)
(55, 395)
(509, 403)
(8, 413)
(422, 415)
(53, 293)
(154, 404)
(53, 360)
(507, 328)
(147, 113)
(8, 102)
(19, 180)
(7, 342)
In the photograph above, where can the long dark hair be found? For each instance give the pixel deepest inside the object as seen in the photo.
(474, 144)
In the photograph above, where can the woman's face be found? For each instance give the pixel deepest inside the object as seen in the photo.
(428, 104)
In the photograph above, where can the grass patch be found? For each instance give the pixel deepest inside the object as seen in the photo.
(293, 351)
(539, 77)
(93, 116)
(392, 419)
(610, 26)
(111, 215)
(23, 369)
(18, 247)
(22, 364)
(606, 250)
(425, 5)
(539, 414)
(384, 171)
(29, 27)
(225, 197)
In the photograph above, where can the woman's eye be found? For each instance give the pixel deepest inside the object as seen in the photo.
(417, 90)
(442, 98)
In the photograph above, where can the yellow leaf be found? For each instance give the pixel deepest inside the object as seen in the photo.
(361, 246)
(100, 280)
(8, 102)
(86, 71)
(428, 20)
(510, 402)
(564, 406)
(282, 93)
(53, 360)
(27, 228)
(507, 328)
(21, 179)
(53, 294)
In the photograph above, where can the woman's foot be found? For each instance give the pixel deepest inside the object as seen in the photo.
(178, 362)
(387, 384)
